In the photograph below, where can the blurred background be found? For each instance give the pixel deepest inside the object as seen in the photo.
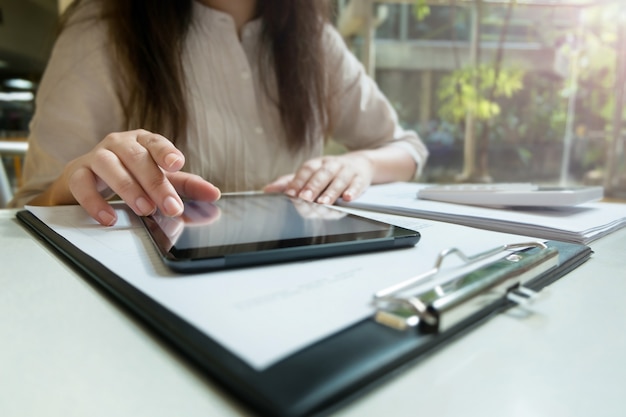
(499, 90)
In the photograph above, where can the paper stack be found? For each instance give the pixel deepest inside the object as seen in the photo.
(578, 224)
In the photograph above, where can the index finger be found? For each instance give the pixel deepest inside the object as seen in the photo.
(162, 150)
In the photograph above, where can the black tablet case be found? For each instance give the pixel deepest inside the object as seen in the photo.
(315, 380)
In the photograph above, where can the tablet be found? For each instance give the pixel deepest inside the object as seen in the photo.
(252, 229)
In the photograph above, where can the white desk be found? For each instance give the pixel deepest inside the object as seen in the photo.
(67, 349)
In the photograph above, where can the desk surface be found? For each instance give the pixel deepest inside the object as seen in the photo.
(67, 349)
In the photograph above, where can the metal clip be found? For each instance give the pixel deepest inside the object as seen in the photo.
(522, 295)
(447, 304)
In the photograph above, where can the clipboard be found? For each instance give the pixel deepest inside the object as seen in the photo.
(331, 372)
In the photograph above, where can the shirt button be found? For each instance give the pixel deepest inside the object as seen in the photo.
(259, 130)
(245, 75)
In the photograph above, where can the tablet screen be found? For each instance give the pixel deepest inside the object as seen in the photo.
(267, 224)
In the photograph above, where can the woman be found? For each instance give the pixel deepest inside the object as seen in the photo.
(242, 93)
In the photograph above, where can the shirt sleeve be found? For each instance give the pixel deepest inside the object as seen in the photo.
(77, 104)
(361, 116)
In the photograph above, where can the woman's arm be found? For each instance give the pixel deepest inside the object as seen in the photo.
(365, 122)
(79, 103)
(139, 166)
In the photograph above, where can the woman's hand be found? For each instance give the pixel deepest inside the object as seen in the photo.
(141, 167)
(325, 179)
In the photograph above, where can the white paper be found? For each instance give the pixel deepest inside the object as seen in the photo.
(266, 313)
(579, 224)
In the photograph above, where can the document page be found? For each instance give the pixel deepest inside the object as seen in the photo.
(264, 314)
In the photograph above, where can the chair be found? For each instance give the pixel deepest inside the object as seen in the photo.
(17, 148)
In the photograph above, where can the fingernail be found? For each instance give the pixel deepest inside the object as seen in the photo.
(144, 206)
(106, 218)
(306, 195)
(349, 195)
(291, 192)
(172, 206)
(171, 160)
(323, 199)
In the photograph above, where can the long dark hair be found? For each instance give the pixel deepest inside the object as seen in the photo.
(147, 37)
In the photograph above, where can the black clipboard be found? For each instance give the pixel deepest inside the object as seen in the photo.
(323, 376)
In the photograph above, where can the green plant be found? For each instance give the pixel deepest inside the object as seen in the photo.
(421, 9)
(459, 95)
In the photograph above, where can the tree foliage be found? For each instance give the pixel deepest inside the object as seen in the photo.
(458, 95)
(421, 9)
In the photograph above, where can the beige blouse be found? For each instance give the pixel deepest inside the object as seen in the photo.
(235, 138)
